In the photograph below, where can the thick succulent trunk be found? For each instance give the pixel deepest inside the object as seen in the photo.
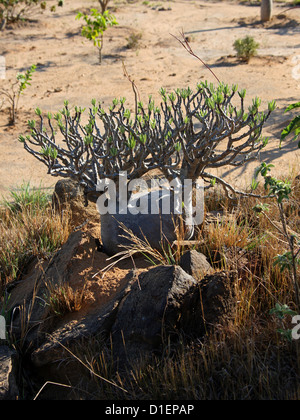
(266, 10)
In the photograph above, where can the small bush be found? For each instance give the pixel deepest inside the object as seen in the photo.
(133, 40)
(246, 48)
(14, 10)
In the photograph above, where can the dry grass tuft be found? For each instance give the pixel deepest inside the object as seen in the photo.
(29, 229)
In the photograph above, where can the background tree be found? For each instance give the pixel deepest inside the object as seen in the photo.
(103, 4)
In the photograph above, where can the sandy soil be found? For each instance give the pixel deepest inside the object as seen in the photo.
(67, 68)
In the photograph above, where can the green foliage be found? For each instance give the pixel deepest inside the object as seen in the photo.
(293, 126)
(26, 197)
(96, 24)
(281, 312)
(280, 189)
(16, 90)
(285, 261)
(246, 48)
(24, 79)
(14, 10)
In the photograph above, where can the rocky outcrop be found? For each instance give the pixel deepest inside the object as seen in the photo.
(8, 374)
(149, 307)
(69, 196)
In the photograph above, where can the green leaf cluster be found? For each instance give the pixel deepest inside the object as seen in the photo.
(293, 126)
(246, 48)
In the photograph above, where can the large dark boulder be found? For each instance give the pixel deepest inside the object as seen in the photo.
(210, 304)
(8, 374)
(151, 311)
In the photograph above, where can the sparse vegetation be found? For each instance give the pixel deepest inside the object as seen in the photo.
(15, 10)
(133, 40)
(62, 299)
(29, 230)
(246, 48)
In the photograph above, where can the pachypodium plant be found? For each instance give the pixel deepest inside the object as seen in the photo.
(96, 25)
(186, 136)
(266, 10)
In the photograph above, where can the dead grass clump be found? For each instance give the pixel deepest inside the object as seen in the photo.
(63, 299)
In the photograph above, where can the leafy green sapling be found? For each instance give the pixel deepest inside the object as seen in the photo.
(16, 90)
(96, 25)
(281, 191)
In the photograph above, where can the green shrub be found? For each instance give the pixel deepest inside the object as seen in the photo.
(14, 10)
(246, 48)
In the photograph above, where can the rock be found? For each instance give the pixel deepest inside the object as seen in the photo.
(141, 313)
(33, 297)
(8, 374)
(150, 312)
(67, 190)
(195, 264)
(211, 303)
(66, 337)
(69, 195)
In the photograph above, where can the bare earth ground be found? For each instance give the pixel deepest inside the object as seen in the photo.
(67, 68)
